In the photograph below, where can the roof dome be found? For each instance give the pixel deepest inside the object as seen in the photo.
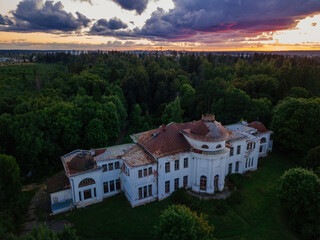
(258, 125)
(207, 129)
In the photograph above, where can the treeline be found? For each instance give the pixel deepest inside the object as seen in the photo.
(65, 102)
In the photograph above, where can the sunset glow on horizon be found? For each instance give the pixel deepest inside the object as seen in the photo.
(192, 25)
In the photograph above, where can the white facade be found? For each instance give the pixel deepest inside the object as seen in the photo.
(153, 167)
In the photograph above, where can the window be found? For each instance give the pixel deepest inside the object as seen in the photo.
(251, 162)
(167, 186)
(128, 171)
(205, 146)
(239, 149)
(86, 182)
(218, 146)
(254, 145)
(94, 192)
(110, 166)
(185, 181)
(145, 172)
(104, 166)
(80, 199)
(230, 168)
(140, 192)
(116, 165)
(105, 187)
(237, 167)
(167, 167)
(150, 190)
(176, 164)
(176, 184)
(260, 149)
(246, 162)
(112, 186)
(140, 173)
(150, 170)
(231, 152)
(145, 191)
(87, 194)
(185, 162)
(118, 184)
(263, 140)
(203, 183)
(216, 182)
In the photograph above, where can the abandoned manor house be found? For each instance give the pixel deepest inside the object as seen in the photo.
(196, 155)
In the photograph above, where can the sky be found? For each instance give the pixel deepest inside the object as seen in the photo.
(190, 25)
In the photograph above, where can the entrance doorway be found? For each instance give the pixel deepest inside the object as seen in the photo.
(203, 183)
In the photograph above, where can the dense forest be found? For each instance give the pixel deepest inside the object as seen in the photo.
(65, 102)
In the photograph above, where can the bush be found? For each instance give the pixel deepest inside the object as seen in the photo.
(178, 222)
(180, 196)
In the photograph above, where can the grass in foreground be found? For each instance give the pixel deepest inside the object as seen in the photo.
(257, 216)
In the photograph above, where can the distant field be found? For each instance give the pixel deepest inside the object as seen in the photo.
(258, 216)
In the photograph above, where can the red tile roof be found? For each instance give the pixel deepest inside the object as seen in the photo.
(259, 126)
(169, 141)
(162, 143)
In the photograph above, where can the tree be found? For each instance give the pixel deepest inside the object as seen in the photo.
(312, 160)
(178, 222)
(259, 109)
(172, 112)
(43, 232)
(296, 123)
(298, 92)
(10, 185)
(96, 134)
(232, 107)
(299, 194)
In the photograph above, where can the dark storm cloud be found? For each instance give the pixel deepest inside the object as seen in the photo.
(36, 16)
(190, 18)
(138, 5)
(5, 20)
(107, 27)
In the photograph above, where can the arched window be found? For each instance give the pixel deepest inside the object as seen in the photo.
(205, 146)
(86, 182)
(218, 146)
(263, 140)
(216, 182)
(203, 183)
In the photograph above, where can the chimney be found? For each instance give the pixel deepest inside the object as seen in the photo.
(92, 152)
(163, 127)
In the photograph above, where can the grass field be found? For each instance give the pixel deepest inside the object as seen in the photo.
(257, 216)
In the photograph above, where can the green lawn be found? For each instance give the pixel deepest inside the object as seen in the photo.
(258, 216)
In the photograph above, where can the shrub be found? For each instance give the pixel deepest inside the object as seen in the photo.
(180, 196)
(178, 222)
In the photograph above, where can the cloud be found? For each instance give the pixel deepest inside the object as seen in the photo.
(107, 27)
(5, 20)
(88, 1)
(138, 5)
(191, 19)
(36, 16)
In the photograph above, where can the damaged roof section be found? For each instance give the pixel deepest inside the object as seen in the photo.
(80, 161)
(137, 156)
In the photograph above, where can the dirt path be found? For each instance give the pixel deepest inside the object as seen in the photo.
(39, 203)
